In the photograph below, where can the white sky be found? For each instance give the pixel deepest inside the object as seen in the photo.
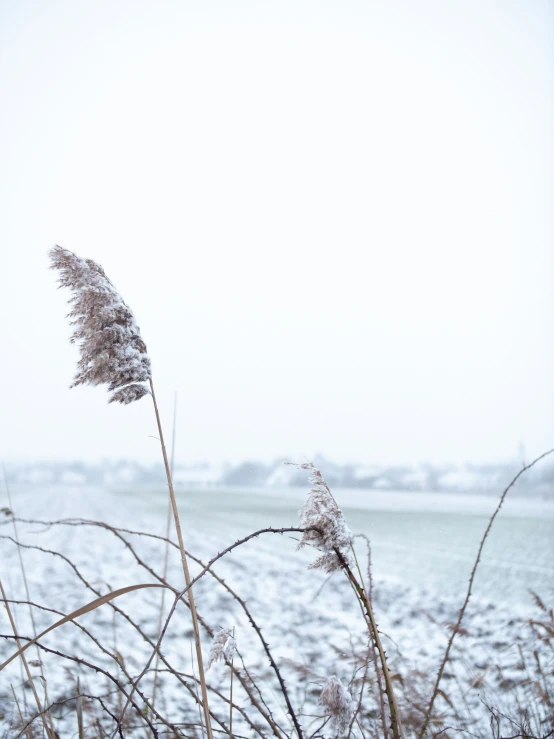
(333, 221)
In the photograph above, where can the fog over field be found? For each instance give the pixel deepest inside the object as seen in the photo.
(331, 220)
(301, 485)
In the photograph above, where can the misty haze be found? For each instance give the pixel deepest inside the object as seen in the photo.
(277, 424)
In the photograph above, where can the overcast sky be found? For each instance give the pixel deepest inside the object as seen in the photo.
(333, 221)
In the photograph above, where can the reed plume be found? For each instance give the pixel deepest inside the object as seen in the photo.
(113, 353)
(111, 347)
(325, 528)
(224, 647)
(338, 704)
(324, 524)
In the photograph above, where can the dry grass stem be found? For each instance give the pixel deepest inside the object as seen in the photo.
(27, 593)
(114, 353)
(198, 646)
(49, 732)
(166, 549)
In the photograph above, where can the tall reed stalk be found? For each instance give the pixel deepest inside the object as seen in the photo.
(113, 353)
(186, 571)
(166, 549)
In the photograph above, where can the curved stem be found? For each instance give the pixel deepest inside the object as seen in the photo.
(201, 574)
(97, 668)
(396, 725)
(373, 658)
(277, 730)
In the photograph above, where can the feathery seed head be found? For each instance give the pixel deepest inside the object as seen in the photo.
(112, 350)
(337, 703)
(327, 528)
(223, 648)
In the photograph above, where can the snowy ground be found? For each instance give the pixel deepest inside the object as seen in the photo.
(423, 547)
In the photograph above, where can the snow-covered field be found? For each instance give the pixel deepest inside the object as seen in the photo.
(423, 539)
(423, 546)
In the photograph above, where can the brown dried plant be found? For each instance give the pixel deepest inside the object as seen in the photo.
(338, 704)
(112, 350)
(253, 701)
(113, 353)
(326, 529)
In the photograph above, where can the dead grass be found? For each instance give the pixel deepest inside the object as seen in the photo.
(522, 708)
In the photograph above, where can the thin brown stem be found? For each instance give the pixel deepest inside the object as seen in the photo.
(238, 708)
(79, 710)
(201, 574)
(137, 627)
(25, 663)
(114, 656)
(186, 572)
(62, 701)
(26, 730)
(196, 681)
(456, 628)
(231, 697)
(277, 730)
(396, 726)
(97, 668)
(367, 591)
(166, 551)
(369, 587)
(49, 719)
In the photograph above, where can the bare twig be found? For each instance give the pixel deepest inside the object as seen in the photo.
(277, 730)
(266, 714)
(396, 725)
(61, 702)
(113, 655)
(97, 668)
(368, 591)
(218, 556)
(469, 590)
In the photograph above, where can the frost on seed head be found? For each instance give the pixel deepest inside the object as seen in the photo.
(338, 704)
(112, 350)
(129, 394)
(326, 528)
(223, 648)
